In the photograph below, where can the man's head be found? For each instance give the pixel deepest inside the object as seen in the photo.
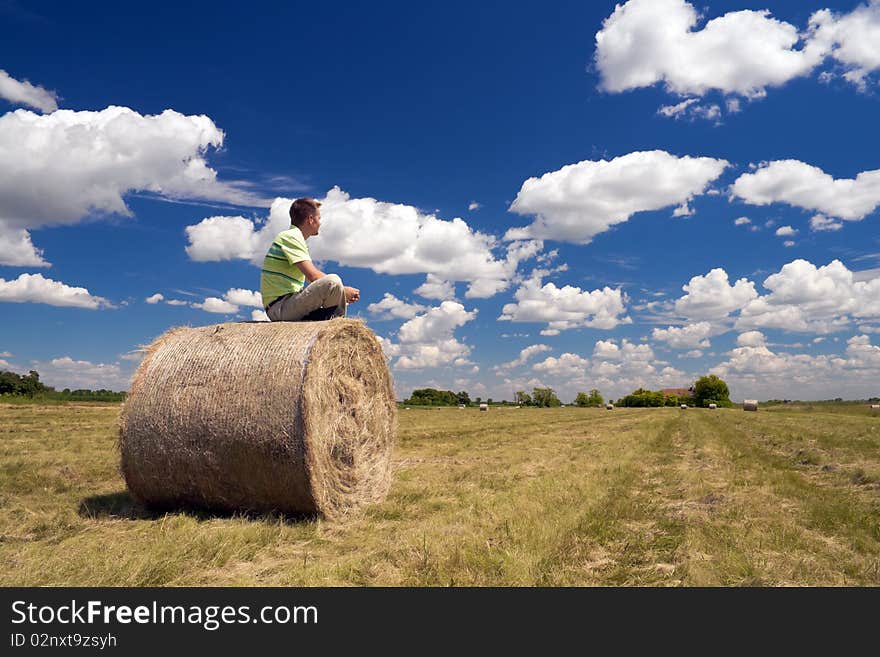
(305, 214)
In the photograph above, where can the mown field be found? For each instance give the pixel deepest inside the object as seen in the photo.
(656, 497)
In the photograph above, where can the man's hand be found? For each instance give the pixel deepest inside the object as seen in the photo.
(352, 294)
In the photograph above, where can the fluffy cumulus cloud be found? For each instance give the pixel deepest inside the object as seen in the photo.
(22, 92)
(805, 186)
(567, 307)
(67, 372)
(568, 365)
(389, 238)
(804, 297)
(786, 231)
(580, 201)
(155, 298)
(689, 336)
(739, 54)
(646, 42)
(390, 307)
(34, 288)
(751, 339)
(231, 301)
(713, 297)
(435, 287)
(428, 340)
(853, 39)
(801, 297)
(524, 356)
(753, 370)
(91, 160)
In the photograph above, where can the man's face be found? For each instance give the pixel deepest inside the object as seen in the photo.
(315, 219)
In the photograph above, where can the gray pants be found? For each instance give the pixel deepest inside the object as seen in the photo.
(325, 292)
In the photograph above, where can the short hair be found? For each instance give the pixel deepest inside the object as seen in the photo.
(303, 208)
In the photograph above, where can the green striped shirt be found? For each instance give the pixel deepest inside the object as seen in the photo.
(280, 274)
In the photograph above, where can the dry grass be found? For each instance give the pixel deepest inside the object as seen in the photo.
(510, 497)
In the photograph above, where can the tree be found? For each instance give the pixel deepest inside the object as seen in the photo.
(464, 398)
(545, 398)
(595, 398)
(711, 389)
(523, 398)
(582, 400)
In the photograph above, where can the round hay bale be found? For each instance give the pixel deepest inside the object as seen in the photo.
(750, 405)
(684, 406)
(713, 406)
(875, 407)
(484, 407)
(287, 416)
(609, 407)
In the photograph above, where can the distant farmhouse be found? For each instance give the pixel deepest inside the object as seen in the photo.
(679, 392)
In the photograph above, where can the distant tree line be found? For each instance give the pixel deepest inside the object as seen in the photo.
(29, 386)
(707, 390)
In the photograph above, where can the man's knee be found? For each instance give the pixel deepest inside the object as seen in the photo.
(334, 281)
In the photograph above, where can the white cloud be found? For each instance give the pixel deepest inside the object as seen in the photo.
(240, 297)
(34, 288)
(757, 371)
(568, 365)
(24, 93)
(788, 243)
(693, 353)
(689, 336)
(17, 249)
(91, 160)
(751, 339)
(392, 307)
(5, 354)
(678, 110)
(581, 200)
(785, 231)
(66, 372)
(427, 340)
(524, 356)
(808, 187)
(821, 222)
(804, 297)
(155, 298)
(712, 297)
(855, 39)
(567, 307)
(645, 42)
(742, 221)
(216, 305)
(626, 351)
(473, 205)
(435, 287)
(388, 238)
(259, 315)
(176, 302)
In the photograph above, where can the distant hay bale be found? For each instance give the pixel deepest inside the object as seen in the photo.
(460, 406)
(287, 416)
(609, 407)
(683, 406)
(484, 407)
(713, 406)
(875, 407)
(750, 405)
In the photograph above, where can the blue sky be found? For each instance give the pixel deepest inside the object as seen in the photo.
(558, 173)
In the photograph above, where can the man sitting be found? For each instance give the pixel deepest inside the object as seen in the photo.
(288, 265)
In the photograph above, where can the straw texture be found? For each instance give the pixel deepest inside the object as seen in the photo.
(288, 416)
(750, 405)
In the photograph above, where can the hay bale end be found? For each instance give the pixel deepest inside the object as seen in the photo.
(287, 416)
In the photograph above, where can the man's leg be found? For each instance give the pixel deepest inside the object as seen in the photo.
(325, 292)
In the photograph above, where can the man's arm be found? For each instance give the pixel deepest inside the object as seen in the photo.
(309, 270)
(312, 274)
